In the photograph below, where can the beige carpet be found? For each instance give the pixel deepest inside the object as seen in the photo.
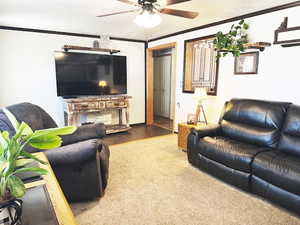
(151, 183)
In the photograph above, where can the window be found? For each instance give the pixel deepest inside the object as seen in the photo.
(200, 65)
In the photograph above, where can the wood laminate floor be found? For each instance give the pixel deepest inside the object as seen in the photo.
(163, 122)
(135, 133)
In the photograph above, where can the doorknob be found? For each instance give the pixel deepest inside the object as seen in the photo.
(178, 105)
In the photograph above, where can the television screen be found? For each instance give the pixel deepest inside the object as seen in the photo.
(80, 74)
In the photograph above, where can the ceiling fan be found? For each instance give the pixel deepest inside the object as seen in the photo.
(149, 11)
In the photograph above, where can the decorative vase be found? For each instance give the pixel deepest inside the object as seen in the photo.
(95, 44)
(11, 212)
(105, 42)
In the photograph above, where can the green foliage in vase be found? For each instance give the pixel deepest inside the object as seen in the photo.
(13, 159)
(232, 42)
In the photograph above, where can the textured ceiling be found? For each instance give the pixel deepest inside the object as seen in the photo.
(80, 15)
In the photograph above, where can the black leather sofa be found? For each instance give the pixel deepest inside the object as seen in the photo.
(256, 147)
(80, 164)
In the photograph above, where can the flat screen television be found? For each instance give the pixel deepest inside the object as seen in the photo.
(81, 74)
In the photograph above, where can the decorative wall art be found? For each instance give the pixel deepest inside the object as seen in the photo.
(246, 63)
(200, 65)
(287, 36)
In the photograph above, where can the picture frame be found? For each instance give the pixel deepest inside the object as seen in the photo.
(246, 63)
(189, 80)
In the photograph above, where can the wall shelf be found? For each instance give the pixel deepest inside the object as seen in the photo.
(74, 47)
(254, 45)
(257, 45)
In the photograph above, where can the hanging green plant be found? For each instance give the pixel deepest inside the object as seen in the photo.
(232, 42)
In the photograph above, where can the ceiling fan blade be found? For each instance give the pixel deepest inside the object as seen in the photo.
(180, 13)
(172, 2)
(117, 13)
(128, 2)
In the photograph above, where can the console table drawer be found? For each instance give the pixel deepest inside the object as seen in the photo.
(101, 105)
(116, 104)
(85, 106)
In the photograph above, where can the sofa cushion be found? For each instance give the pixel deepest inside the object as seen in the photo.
(250, 134)
(279, 169)
(33, 115)
(278, 195)
(290, 135)
(236, 177)
(229, 152)
(254, 121)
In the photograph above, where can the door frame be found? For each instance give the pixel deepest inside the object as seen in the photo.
(150, 80)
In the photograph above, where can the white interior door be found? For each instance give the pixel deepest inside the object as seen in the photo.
(162, 85)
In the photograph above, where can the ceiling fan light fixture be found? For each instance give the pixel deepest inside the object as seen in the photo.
(148, 19)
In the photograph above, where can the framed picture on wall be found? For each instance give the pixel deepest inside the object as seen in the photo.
(201, 66)
(246, 63)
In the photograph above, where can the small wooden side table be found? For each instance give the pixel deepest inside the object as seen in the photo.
(183, 131)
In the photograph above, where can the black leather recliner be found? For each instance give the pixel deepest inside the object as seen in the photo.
(256, 147)
(80, 164)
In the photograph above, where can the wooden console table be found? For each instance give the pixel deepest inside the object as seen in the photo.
(63, 212)
(75, 107)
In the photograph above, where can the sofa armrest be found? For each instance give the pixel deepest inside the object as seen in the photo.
(104, 155)
(197, 133)
(209, 130)
(77, 169)
(77, 153)
(85, 132)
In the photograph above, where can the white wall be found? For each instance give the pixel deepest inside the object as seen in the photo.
(278, 75)
(27, 71)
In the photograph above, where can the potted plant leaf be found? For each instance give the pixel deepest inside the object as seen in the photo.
(14, 159)
(232, 42)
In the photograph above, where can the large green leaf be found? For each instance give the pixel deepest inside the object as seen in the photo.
(3, 142)
(5, 135)
(45, 142)
(31, 156)
(16, 186)
(13, 149)
(12, 119)
(23, 162)
(54, 131)
(24, 129)
(37, 170)
(1, 151)
(3, 164)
